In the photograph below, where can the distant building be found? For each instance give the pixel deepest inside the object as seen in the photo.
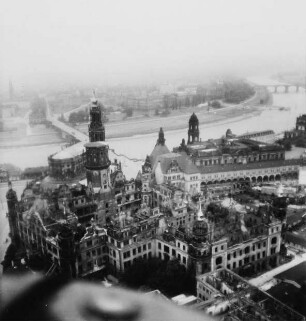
(300, 128)
(224, 163)
(4, 175)
(68, 163)
(264, 136)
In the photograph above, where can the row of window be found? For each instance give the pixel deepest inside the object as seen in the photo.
(180, 257)
(98, 251)
(217, 248)
(169, 178)
(204, 289)
(166, 247)
(246, 260)
(138, 250)
(183, 246)
(246, 250)
(194, 178)
(275, 229)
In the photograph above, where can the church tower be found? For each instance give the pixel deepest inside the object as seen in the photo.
(97, 162)
(96, 128)
(161, 138)
(193, 131)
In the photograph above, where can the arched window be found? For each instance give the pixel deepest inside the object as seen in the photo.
(219, 260)
(274, 240)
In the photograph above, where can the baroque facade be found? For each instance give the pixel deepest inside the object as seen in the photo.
(231, 160)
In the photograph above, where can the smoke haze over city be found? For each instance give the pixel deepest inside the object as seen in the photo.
(50, 43)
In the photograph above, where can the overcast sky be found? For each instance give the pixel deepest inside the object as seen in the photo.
(142, 41)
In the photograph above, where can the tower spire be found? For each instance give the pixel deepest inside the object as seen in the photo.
(161, 137)
(96, 128)
(94, 98)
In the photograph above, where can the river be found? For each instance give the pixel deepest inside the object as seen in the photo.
(141, 145)
(275, 119)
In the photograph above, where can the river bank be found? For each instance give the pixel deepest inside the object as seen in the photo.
(40, 135)
(178, 119)
(32, 136)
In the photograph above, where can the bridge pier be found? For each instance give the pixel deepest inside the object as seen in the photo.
(275, 89)
(286, 89)
(297, 88)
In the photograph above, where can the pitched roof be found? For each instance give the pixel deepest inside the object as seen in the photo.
(70, 152)
(183, 161)
(157, 151)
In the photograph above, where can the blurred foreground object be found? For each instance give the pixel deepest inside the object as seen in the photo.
(34, 298)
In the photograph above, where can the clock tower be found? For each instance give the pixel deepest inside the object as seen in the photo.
(97, 165)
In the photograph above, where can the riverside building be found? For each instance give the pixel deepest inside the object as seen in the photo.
(228, 162)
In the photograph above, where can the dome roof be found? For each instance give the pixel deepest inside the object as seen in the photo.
(200, 229)
(193, 119)
(228, 132)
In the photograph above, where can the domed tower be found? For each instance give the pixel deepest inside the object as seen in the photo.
(97, 165)
(228, 133)
(193, 131)
(96, 128)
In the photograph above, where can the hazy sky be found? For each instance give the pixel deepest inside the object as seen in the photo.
(44, 42)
